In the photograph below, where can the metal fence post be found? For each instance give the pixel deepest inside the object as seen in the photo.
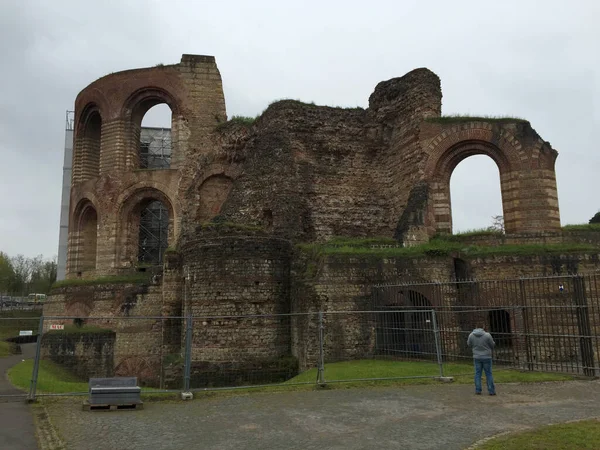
(528, 342)
(321, 363)
(188, 354)
(583, 325)
(36, 361)
(438, 346)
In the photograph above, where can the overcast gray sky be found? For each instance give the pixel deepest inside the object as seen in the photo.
(532, 59)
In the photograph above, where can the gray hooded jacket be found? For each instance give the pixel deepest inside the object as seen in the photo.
(481, 343)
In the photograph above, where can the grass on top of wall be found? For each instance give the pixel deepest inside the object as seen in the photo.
(442, 247)
(582, 227)
(361, 242)
(459, 118)
(468, 234)
(245, 121)
(218, 225)
(136, 278)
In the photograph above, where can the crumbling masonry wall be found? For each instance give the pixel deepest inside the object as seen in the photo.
(302, 172)
(239, 196)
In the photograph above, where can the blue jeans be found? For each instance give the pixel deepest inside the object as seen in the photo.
(486, 366)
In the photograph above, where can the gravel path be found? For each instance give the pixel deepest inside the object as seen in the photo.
(415, 417)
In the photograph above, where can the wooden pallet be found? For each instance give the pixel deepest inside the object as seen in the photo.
(107, 407)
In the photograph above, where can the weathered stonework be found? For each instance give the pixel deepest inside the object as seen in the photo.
(239, 196)
(303, 172)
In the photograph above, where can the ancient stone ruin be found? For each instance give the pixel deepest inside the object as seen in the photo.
(230, 205)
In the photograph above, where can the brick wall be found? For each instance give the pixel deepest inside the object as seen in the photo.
(238, 276)
(87, 355)
(302, 172)
(344, 283)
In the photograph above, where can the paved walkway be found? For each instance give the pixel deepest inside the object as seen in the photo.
(414, 417)
(16, 422)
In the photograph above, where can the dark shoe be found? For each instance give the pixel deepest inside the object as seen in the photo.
(477, 393)
(493, 393)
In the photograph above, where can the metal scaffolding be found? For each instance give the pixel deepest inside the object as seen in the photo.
(154, 232)
(155, 148)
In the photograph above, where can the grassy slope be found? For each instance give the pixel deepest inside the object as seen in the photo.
(51, 378)
(11, 322)
(578, 435)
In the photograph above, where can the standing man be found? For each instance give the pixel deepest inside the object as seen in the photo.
(482, 345)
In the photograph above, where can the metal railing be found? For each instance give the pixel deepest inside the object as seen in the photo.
(412, 331)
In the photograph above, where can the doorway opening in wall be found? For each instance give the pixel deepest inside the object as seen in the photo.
(475, 196)
(153, 233)
(499, 320)
(155, 138)
(405, 327)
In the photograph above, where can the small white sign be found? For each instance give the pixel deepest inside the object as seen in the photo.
(57, 327)
(25, 333)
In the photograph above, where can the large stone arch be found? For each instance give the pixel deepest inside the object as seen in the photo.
(83, 237)
(404, 324)
(132, 113)
(87, 146)
(132, 202)
(528, 185)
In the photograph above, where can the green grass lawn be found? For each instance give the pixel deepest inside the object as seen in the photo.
(577, 435)
(52, 378)
(462, 372)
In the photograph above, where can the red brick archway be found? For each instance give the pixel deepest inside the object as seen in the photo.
(527, 178)
(446, 164)
(84, 237)
(129, 221)
(134, 109)
(87, 144)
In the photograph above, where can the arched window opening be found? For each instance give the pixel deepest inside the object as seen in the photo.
(405, 330)
(89, 146)
(88, 233)
(499, 320)
(476, 197)
(153, 233)
(153, 133)
(213, 193)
